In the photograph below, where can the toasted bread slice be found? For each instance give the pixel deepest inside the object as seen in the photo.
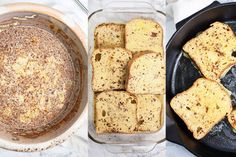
(202, 106)
(109, 35)
(115, 112)
(144, 35)
(109, 68)
(232, 119)
(212, 50)
(146, 74)
(149, 113)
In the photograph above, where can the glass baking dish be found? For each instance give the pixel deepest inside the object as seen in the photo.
(122, 12)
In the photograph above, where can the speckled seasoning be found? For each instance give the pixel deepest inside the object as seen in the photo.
(36, 75)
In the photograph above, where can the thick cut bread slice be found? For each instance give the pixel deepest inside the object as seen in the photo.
(108, 35)
(115, 112)
(109, 68)
(202, 106)
(146, 74)
(232, 119)
(149, 113)
(144, 35)
(212, 50)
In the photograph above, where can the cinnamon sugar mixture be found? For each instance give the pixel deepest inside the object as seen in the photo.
(36, 77)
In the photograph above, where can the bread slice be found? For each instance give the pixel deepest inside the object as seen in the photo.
(144, 35)
(212, 50)
(232, 119)
(109, 68)
(149, 113)
(202, 106)
(115, 112)
(108, 35)
(146, 74)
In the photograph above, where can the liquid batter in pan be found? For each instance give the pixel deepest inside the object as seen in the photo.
(36, 77)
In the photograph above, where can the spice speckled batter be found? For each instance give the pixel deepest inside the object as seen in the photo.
(36, 77)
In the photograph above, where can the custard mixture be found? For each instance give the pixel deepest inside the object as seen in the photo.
(36, 77)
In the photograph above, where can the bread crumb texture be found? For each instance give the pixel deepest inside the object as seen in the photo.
(122, 112)
(146, 74)
(202, 106)
(115, 112)
(149, 113)
(212, 50)
(144, 35)
(128, 57)
(109, 35)
(110, 68)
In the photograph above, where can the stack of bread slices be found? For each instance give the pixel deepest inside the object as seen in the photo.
(128, 77)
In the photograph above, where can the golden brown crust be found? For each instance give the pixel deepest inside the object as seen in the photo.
(232, 119)
(201, 68)
(186, 91)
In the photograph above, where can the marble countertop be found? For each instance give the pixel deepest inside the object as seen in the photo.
(165, 149)
(79, 145)
(76, 145)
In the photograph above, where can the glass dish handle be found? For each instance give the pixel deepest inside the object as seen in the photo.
(128, 148)
(128, 6)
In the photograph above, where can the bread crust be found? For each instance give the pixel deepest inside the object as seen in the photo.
(232, 119)
(186, 92)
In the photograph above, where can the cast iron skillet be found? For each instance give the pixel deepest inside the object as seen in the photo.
(181, 73)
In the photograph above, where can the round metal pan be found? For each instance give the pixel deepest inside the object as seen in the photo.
(73, 38)
(182, 72)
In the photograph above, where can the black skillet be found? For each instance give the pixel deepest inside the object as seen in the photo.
(181, 73)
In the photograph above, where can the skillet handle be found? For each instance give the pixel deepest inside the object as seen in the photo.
(181, 23)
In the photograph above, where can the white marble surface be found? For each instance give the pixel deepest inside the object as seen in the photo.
(166, 149)
(77, 145)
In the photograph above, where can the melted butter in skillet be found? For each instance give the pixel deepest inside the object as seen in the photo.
(36, 75)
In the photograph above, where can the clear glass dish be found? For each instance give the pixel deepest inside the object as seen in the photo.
(122, 12)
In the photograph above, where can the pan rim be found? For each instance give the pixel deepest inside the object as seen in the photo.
(75, 27)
